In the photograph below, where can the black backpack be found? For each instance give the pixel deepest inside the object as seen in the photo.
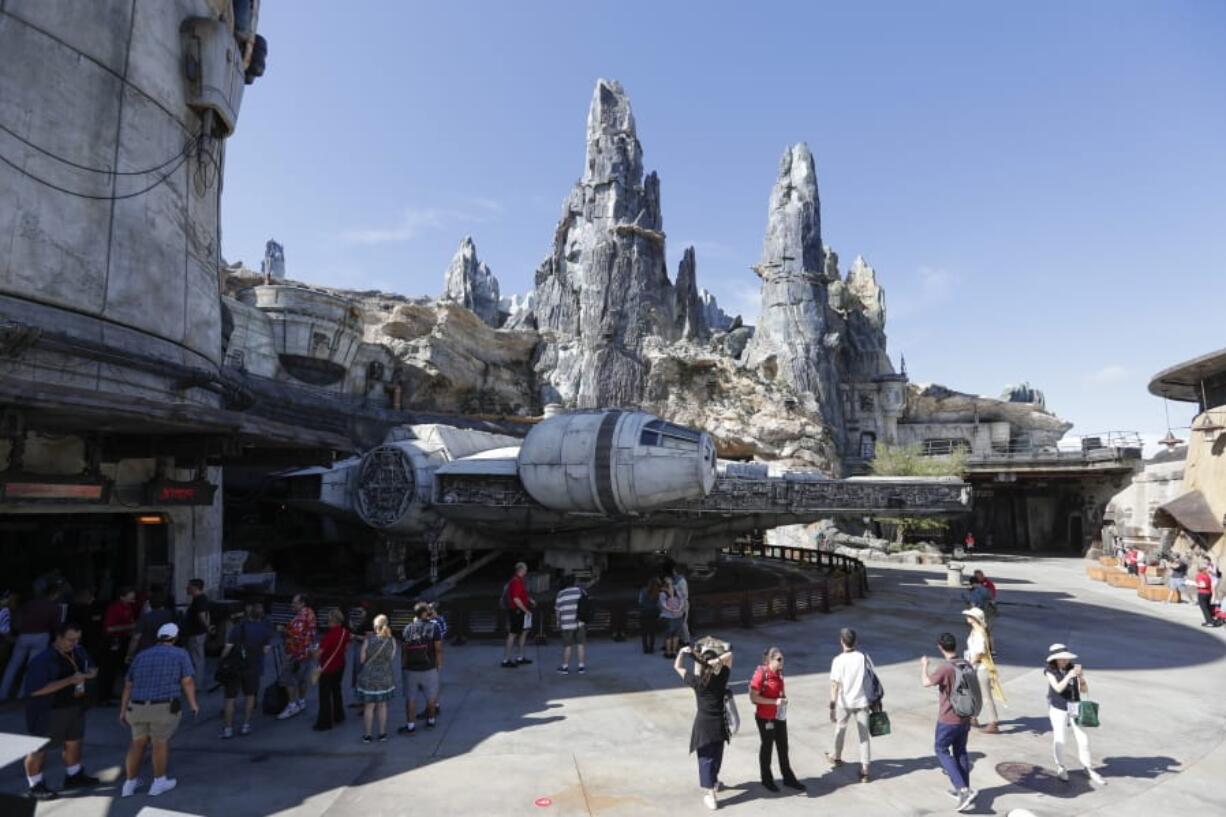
(874, 691)
(585, 611)
(965, 697)
(234, 663)
(419, 646)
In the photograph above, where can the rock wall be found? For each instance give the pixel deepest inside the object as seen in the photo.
(470, 283)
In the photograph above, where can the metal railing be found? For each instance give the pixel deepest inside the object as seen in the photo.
(838, 580)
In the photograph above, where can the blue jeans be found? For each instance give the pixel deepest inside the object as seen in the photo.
(28, 645)
(710, 758)
(951, 752)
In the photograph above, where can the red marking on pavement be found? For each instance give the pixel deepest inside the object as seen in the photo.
(542, 802)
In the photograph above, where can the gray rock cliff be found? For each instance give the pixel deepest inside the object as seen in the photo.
(470, 283)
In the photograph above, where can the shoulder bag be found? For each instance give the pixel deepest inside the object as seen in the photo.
(318, 669)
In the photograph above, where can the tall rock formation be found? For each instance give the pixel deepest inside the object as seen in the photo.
(790, 343)
(470, 283)
(604, 289)
(717, 319)
(690, 311)
(860, 323)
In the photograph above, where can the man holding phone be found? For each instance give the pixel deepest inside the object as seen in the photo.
(55, 709)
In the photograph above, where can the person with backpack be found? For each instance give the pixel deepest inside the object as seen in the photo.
(518, 604)
(649, 613)
(331, 656)
(672, 614)
(1065, 684)
(708, 677)
(766, 691)
(959, 702)
(851, 676)
(979, 655)
(574, 609)
(421, 660)
(241, 666)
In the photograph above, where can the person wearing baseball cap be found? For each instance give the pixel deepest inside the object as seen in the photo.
(159, 678)
(1065, 685)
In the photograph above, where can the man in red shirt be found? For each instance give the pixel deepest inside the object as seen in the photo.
(986, 582)
(1204, 596)
(519, 613)
(298, 640)
(118, 622)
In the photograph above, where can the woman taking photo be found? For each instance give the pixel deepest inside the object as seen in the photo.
(331, 657)
(376, 680)
(766, 691)
(708, 677)
(1065, 684)
(672, 614)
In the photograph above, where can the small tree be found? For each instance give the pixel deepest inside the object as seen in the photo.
(909, 461)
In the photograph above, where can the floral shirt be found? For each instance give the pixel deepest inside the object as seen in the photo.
(300, 634)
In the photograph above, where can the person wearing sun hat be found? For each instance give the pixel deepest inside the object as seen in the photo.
(979, 655)
(1065, 685)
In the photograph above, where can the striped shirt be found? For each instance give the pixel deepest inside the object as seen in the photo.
(567, 605)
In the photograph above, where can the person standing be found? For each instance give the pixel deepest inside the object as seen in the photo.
(361, 625)
(979, 655)
(574, 631)
(649, 613)
(55, 709)
(332, 671)
(196, 625)
(158, 680)
(708, 677)
(766, 692)
(672, 613)
(969, 542)
(423, 658)
(1204, 595)
(1065, 685)
(848, 701)
(253, 638)
(952, 729)
(150, 622)
(377, 680)
(118, 622)
(37, 619)
(6, 629)
(1176, 581)
(519, 612)
(683, 590)
(298, 643)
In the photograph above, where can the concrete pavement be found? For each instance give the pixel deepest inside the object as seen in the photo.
(613, 742)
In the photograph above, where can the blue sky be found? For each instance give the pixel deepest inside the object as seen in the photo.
(1041, 186)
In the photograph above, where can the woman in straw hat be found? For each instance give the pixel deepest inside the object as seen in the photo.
(1065, 684)
(979, 655)
(708, 677)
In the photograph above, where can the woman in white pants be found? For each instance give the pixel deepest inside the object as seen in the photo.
(1065, 684)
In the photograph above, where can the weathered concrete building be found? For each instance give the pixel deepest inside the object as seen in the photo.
(1198, 514)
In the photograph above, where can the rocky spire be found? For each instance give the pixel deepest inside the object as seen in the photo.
(691, 316)
(717, 319)
(604, 288)
(862, 285)
(790, 343)
(469, 282)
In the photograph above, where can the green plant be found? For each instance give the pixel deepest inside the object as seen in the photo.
(909, 461)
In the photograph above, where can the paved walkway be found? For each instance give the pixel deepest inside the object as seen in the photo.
(614, 742)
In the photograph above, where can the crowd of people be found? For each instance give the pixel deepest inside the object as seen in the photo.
(159, 657)
(1207, 584)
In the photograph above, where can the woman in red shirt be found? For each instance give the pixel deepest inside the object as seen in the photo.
(1204, 596)
(331, 656)
(766, 690)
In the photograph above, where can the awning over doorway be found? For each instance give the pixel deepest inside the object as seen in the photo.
(1189, 511)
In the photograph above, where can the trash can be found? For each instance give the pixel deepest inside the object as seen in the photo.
(953, 577)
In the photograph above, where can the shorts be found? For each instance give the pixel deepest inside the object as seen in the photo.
(153, 720)
(248, 683)
(673, 627)
(297, 672)
(59, 726)
(576, 636)
(425, 680)
(515, 621)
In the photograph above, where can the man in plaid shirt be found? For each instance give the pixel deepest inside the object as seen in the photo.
(157, 681)
(299, 639)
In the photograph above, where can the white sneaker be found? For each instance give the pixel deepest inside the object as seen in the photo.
(162, 786)
(1096, 778)
(130, 787)
(968, 799)
(708, 800)
(1062, 773)
(291, 709)
(955, 794)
